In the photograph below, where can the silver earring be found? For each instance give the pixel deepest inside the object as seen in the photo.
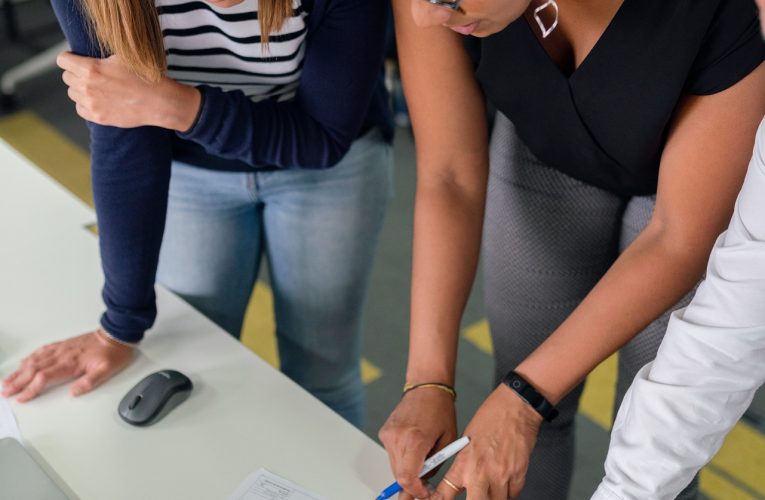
(546, 30)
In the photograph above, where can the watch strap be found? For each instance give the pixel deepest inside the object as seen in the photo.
(520, 386)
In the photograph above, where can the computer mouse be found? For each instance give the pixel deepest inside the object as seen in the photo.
(154, 397)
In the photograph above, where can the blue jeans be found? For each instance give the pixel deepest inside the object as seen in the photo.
(319, 230)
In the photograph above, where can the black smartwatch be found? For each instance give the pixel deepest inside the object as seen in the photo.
(519, 385)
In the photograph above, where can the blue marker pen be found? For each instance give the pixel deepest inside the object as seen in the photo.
(430, 464)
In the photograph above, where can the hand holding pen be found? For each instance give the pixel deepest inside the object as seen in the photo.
(423, 421)
(430, 464)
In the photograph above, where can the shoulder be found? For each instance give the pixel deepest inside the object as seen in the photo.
(731, 46)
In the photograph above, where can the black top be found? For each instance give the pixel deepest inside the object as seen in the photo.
(606, 124)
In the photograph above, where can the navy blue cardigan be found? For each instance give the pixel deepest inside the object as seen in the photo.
(341, 96)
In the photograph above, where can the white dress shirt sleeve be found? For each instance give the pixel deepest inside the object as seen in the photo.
(679, 409)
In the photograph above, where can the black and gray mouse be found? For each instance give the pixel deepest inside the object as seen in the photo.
(154, 397)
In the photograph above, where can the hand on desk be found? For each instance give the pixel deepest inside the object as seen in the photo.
(90, 358)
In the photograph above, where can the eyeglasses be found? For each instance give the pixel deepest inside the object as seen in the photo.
(448, 4)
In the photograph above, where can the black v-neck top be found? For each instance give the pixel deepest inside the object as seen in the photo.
(606, 123)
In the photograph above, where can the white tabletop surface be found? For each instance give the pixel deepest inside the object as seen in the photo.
(242, 414)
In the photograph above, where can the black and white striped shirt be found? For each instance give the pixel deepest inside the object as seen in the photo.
(222, 47)
(341, 96)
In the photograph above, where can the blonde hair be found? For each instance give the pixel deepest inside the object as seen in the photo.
(130, 29)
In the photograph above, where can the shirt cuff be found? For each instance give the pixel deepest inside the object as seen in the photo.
(199, 113)
(603, 493)
(205, 127)
(123, 335)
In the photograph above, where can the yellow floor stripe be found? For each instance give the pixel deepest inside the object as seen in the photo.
(597, 400)
(48, 149)
(479, 335)
(259, 332)
(718, 487)
(369, 372)
(743, 457)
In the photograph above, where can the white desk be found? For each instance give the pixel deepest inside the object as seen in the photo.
(242, 414)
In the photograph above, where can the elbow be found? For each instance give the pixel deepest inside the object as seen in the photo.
(460, 179)
(686, 245)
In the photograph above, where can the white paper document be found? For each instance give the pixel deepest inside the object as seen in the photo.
(263, 485)
(8, 426)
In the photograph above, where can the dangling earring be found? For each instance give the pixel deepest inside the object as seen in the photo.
(546, 31)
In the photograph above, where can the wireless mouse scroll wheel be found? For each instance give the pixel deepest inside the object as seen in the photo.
(135, 402)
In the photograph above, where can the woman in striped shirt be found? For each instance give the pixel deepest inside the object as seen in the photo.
(248, 103)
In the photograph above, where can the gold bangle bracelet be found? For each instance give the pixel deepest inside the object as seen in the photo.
(434, 385)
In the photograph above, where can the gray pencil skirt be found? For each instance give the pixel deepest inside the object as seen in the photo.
(548, 239)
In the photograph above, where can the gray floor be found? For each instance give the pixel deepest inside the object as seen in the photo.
(387, 314)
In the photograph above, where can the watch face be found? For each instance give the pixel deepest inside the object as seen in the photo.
(516, 383)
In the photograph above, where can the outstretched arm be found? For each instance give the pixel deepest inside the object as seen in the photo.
(712, 360)
(701, 171)
(449, 121)
(130, 175)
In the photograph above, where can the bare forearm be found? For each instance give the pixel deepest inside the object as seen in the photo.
(448, 222)
(708, 148)
(449, 123)
(647, 279)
